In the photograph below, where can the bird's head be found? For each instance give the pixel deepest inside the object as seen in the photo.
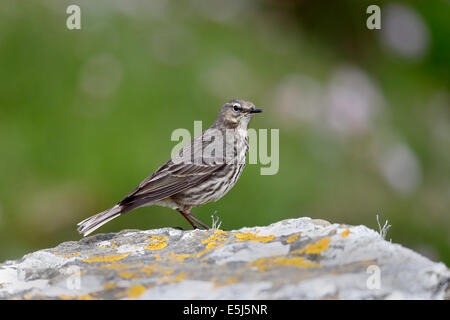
(236, 114)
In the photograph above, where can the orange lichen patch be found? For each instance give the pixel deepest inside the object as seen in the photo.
(179, 277)
(148, 270)
(109, 286)
(211, 245)
(294, 237)
(221, 232)
(151, 269)
(177, 257)
(168, 273)
(267, 263)
(35, 296)
(157, 243)
(72, 255)
(87, 297)
(213, 238)
(212, 242)
(156, 246)
(165, 276)
(226, 283)
(135, 291)
(158, 238)
(113, 245)
(314, 248)
(112, 258)
(198, 255)
(110, 245)
(345, 233)
(253, 237)
(231, 280)
(128, 275)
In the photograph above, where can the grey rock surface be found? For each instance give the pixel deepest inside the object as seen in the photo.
(291, 259)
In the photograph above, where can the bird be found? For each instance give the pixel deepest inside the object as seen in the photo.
(203, 171)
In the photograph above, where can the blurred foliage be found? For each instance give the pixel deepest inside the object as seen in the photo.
(86, 115)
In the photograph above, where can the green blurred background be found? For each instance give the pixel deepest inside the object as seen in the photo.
(364, 115)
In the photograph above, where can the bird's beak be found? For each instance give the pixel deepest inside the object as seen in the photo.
(254, 110)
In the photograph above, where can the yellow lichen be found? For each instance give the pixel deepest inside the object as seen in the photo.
(198, 255)
(266, 263)
(211, 245)
(87, 297)
(109, 286)
(128, 275)
(294, 237)
(177, 257)
(210, 238)
(168, 272)
(135, 291)
(151, 269)
(213, 238)
(226, 283)
(156, 246)
(112, 258)
(314, 248)
(72, 255)
(166, 275)
(179, 277)
(253, 237)
(157, 243)
(345, 233)
(212, 242)
(221, 232)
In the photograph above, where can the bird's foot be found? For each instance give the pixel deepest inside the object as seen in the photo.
(198, 221)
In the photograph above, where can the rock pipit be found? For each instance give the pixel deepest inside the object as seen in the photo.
(203, 171)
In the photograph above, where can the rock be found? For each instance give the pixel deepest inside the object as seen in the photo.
(290, 259)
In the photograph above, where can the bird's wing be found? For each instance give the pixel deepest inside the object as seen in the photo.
(175, 176)
(168, 180)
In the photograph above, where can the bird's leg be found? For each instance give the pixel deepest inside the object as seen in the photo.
(185, 215)
(197, 220)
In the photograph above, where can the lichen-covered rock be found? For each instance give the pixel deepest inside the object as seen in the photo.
(290, 259)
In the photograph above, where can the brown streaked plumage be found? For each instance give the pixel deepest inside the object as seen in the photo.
(203, 171)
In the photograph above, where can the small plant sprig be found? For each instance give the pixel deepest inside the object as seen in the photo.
(383, 229)
(216, 223)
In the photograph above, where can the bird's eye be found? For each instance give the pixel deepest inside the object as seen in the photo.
(236, 107)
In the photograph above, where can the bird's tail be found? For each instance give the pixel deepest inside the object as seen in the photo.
(93, 223)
